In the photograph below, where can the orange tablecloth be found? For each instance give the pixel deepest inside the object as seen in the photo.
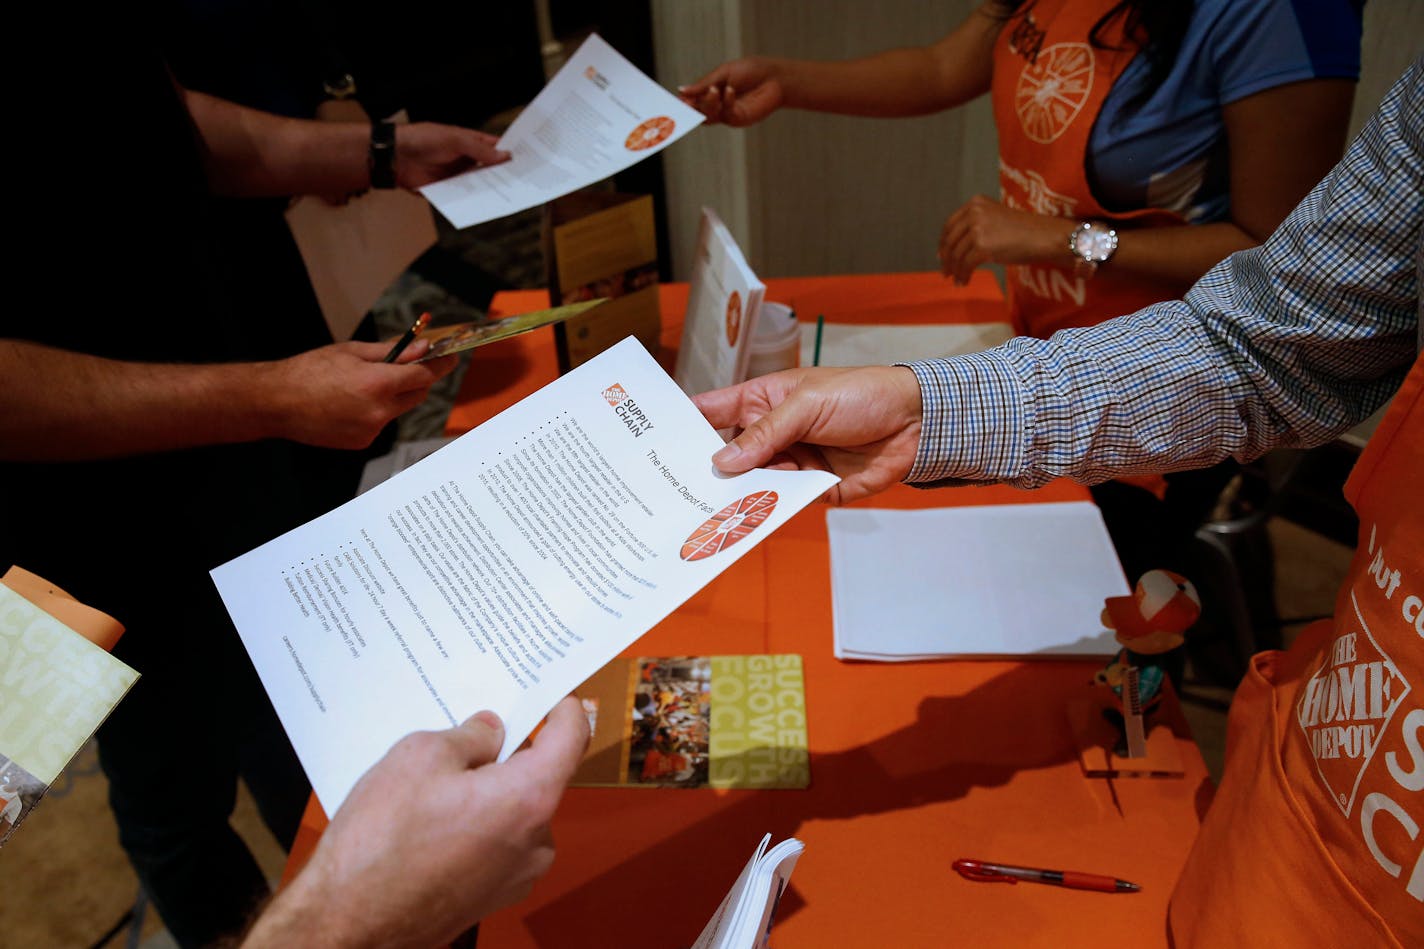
(912, 764)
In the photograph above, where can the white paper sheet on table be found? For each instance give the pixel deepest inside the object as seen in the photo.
(597, 116)
(872, 344)
(987, 581)
(502, 570)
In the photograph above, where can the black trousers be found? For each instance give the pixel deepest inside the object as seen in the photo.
(173, 751)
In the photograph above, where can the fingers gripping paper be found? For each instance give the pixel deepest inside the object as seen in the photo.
(501, 571)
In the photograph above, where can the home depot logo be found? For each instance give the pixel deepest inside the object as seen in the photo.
(1345, 708)
(633, 417)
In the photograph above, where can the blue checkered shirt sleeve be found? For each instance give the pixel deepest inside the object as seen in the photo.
(1288, 344)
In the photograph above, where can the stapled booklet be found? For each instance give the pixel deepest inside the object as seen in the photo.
(745, 918)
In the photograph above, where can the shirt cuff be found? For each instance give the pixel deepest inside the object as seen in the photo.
(974, 420)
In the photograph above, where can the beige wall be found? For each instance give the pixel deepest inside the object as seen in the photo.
(815, 194)
(819, 193)
(1394, 35)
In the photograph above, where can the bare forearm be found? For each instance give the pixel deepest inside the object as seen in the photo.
(302, 913)
(895, 83)
(251, 153)
(61, 406)
(984, 231)
(1176, 254)
(900, 82)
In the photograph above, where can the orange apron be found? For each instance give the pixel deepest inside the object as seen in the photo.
(1048, 87)
(1316, 837)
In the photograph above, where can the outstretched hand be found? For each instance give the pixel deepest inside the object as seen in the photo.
(861, 424)
(737, 93)
(433, 838)
(429, 151)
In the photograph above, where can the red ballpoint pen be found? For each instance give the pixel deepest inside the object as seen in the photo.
(982, 872)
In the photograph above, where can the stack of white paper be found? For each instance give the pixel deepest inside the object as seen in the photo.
(722, 305)
(991, 581)
(882, 344)
(743, 921)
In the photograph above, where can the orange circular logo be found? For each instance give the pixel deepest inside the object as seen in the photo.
(729, 525)
(734, 317)
(1052, 90)
(652, 132)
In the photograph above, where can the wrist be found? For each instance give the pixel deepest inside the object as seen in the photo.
(306, 911)
(920, 412)
(1091, 244)
(263, 391)
(788, 79)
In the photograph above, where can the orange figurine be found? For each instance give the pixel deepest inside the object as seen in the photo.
(1149, 624)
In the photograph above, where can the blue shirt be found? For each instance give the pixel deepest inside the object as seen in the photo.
(1170, 150)
(1287, 344)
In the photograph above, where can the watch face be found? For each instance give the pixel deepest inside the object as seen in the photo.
(1096, 243)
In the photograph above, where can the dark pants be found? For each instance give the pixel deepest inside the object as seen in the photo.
(173, 751)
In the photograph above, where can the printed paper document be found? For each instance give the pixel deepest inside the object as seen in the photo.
(987, 581)
(597, 116)
(501, 571)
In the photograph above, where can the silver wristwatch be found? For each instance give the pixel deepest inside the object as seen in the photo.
(1091, 243)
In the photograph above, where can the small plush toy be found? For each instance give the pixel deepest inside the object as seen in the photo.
(1148, 625)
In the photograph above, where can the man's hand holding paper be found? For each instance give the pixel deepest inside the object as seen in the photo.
(861, 424)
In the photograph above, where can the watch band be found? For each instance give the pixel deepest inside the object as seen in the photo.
(382, 156)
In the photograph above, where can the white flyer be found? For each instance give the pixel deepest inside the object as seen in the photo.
(501, 571)
(597, 116)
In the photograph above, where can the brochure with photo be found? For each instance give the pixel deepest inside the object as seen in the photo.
(459, 337)
(695, 721)
(60, 685)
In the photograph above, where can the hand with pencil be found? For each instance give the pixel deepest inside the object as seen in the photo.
(341, 396)
(862, 424)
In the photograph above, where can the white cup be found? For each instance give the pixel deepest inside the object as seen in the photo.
(775, 342)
